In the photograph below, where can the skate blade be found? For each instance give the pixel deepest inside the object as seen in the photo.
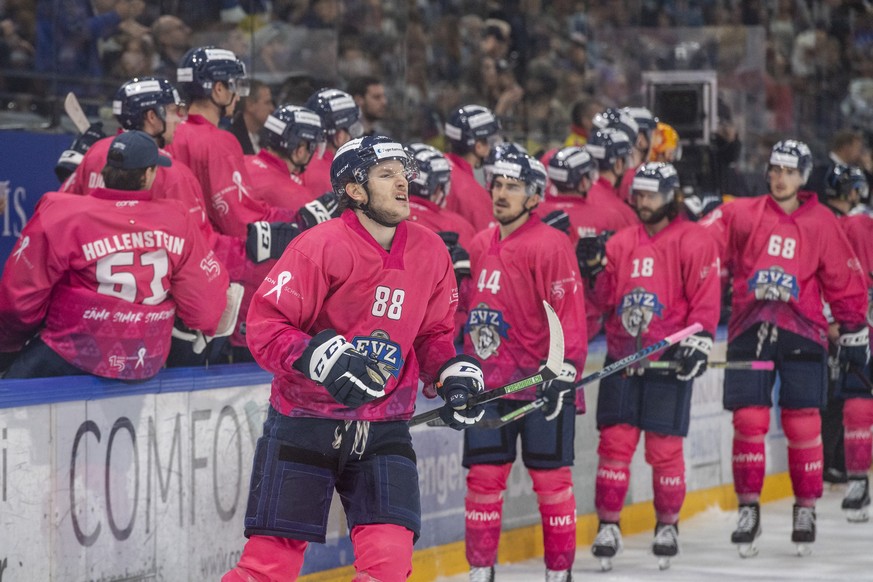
(663, 563)
(857, 515)
(803, 550)
(605, 564)
(747, 550)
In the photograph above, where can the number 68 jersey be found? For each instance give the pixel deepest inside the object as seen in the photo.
(654, 286)
(396, 306)
(783, 265)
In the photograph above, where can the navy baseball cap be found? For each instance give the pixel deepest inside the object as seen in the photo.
(134, 150)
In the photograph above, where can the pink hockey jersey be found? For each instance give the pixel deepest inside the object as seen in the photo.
(216, 159)
(506, 326)
(273, 184)
(424, 212)
(783, 265)
(397, 306)
(316, 177)
(586, 219)
(654, 286)
(102, 277)
(468, 198)
(602, 193)
(859, 231)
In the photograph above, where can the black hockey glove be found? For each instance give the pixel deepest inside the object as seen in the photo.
(591, 254)
(853, 348)
(72, 156)
(351, 377)
(319, 210)
(558, 219)
(268, 240)
(559, 392)
(692, 354)
(460, 257)
(460, 378)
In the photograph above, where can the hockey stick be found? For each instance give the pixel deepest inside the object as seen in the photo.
(861, 376)
(554, 362)
(602, 373)
(755, 365)
(74, 112)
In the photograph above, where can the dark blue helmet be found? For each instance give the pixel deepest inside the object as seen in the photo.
(202, 67)
(337, 110)
(791, 153)
(617, 119)
(842, 179)
(354, 159)
(433, 170)
(656, 177)
(470, 123)
(646, 122)
(608, 145)
(525, 168)
(569, 165)
(497, 152)
(289, 125)
(137, 96)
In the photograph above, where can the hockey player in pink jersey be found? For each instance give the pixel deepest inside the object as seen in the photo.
(786, 252)
(515, 266)
(100, 278)
(845, 187)
(340, 118)
(611, 149)
(646, 124)
(355, 313)
(659, 277)
(472, 130)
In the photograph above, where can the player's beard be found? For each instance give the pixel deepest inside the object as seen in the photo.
(380, 215)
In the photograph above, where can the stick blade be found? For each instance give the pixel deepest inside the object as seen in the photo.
(75, 113)
(555, 359)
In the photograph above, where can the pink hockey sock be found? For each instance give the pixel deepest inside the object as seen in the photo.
(484, 512)
(664, 454)
(802, 428)
(554, 489)
(383, 552)
(748, 458)
(858, 440)
(268, 559)
(616, 449)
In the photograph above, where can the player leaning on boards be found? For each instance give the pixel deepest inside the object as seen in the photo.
(658, 277)
(786, 252)
(355, 312)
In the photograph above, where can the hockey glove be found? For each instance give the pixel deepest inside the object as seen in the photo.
(351, 377)
(268, 240)
(559, 392)
(460, 378)
(319, 210)
(72, 157)
(853, 348)
(591, 254)
(692, 353)
(558, 219)
(460, 257)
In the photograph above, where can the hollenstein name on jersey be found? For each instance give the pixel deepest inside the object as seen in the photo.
(145, 239)
(379, 347)
(486, 326)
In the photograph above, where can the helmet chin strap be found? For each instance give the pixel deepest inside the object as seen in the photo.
(368, 212)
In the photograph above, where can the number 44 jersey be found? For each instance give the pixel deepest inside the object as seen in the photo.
(102, 277)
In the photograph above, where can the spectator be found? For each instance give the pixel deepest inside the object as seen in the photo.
(250, 115)
(581, 125)
(369, 95)
(171, 36)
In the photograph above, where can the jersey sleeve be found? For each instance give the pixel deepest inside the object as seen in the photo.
(700, 272)
(840, 274)
(717, 224)
(434, 343)
(26, 285)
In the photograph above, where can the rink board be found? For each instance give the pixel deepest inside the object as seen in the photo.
(108, 481)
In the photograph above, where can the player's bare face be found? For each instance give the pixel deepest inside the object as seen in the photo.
(508, 198)
(784, 182)
(389, 192)
(647, 204)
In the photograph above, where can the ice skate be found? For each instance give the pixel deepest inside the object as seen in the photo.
(665, 544)
(482, 574)
(607, 544)
(803, 532)
(559, 575)
(748, 530)
(857, 500)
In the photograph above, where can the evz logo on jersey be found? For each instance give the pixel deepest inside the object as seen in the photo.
(637, 309)
(379, 347)
(774, 284)
(486, 327)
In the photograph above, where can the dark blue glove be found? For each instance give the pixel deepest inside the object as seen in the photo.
(351, 377)
(460, 378)
(558, 392)
(591, 254)
(268, 240)
(460, 257)
(692, 353)
(853, 347)
(72, 156)
(319, 210)
(558, 219)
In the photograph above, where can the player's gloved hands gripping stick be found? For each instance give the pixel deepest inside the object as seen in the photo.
(460, 378)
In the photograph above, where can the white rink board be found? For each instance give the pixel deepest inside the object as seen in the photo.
(150, 481)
